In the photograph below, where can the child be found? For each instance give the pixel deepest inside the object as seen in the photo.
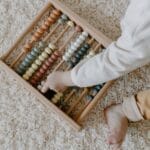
(130, 51)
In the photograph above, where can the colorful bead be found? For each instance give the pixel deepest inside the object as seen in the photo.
(89, 97)
(38, 62)
(34, 66)
(51, 46)
(41, 58)
(26, 77)
(48, 50)
(44, 55)
(70, 23)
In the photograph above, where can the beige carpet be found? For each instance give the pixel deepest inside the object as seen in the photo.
(25, 124)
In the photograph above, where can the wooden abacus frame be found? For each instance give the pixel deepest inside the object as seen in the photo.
(88, 28)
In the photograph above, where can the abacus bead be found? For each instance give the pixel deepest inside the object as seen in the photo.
(50, 19)
(38, 62)
(25, 64)
(79, 41)
(72, 48)
(78, 29)
(53, 16)
(68, 55)
(41, 58)
(65, 58)
(87, 46)
(39, 87)
(40, 30)
(54, 57)
(78, 56)
(64, 17)
(47, 63)
(89, 97)
(42, 70)
(29, 56)
(94, 92)
(37, 35)
(48, 50)
(19, 71)
(45, 67)
(80, 52)
(76, 45)
(39, 74)
(98, 87)
(70, 23)
(31, 70)
(51, 46)
(61, 21)
(81, 38)
(85, 34)
(83, 49)
(56, 12)
(91, 53)
(37, 50)
(34, 66)
(42, 83)
(45, 55)
(33, 82)
(34, 53)
(26, 77)
(44, 27)
(70, 65)
(50, 60)
(47, 23)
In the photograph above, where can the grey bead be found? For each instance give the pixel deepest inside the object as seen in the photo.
(64, 17)
(35, 54)
(42, 45)
(31, 57)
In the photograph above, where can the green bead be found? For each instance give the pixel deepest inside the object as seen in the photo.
(87, 46)
(83, 49)
(34, 54)
(31, 57)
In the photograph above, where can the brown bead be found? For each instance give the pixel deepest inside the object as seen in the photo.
(50, 20)
(37, 35)
(44, 27)
(42, 71)
(40, 30)
(39, 74)
(54, 57)
(45, 67)
(33, 82)
(47, 63)
(56, 53)
(56, 12)
(54, 17)
(27, 47)
(47, 23)
(34, 39)
(35, 78)
(78, 28)
(50, 60)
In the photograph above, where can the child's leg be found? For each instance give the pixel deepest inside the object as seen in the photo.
(134, 108)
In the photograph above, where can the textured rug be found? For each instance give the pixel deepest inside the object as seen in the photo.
(26, 124)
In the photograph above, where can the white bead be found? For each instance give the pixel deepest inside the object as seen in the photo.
(42, 83)
(76, 44)
(79, 42)
(85, 34)
(70, 51)
(39, 87)
(82, 38)
(73, 48)
(91, 53)
(70, 23)
(52, 46)
(68, 55)
(65, 58)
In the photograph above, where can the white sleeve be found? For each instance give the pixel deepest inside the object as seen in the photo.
(130, 51)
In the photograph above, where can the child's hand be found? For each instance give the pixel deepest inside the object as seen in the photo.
(58, 81)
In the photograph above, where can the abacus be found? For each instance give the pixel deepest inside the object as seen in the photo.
(57, 39)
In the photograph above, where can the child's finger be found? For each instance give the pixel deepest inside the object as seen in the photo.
(45, 88)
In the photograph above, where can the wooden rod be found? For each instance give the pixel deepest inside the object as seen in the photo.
(60, 36)
(77, 101)
(49, 35)
(94, 101)
(27, 30)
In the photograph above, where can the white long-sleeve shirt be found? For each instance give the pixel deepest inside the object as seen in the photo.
(130, 51)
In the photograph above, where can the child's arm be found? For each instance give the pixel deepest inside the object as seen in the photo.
(130, 51)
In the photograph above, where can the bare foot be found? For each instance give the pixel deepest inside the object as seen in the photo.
(117, 123)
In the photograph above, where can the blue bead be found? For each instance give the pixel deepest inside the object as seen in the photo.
(94, 92)
(89, 97)
(83, 49)
(87, 46)
(33, 53)
(78, 56)
(29, 56)
(80, 53)
(98, 87)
